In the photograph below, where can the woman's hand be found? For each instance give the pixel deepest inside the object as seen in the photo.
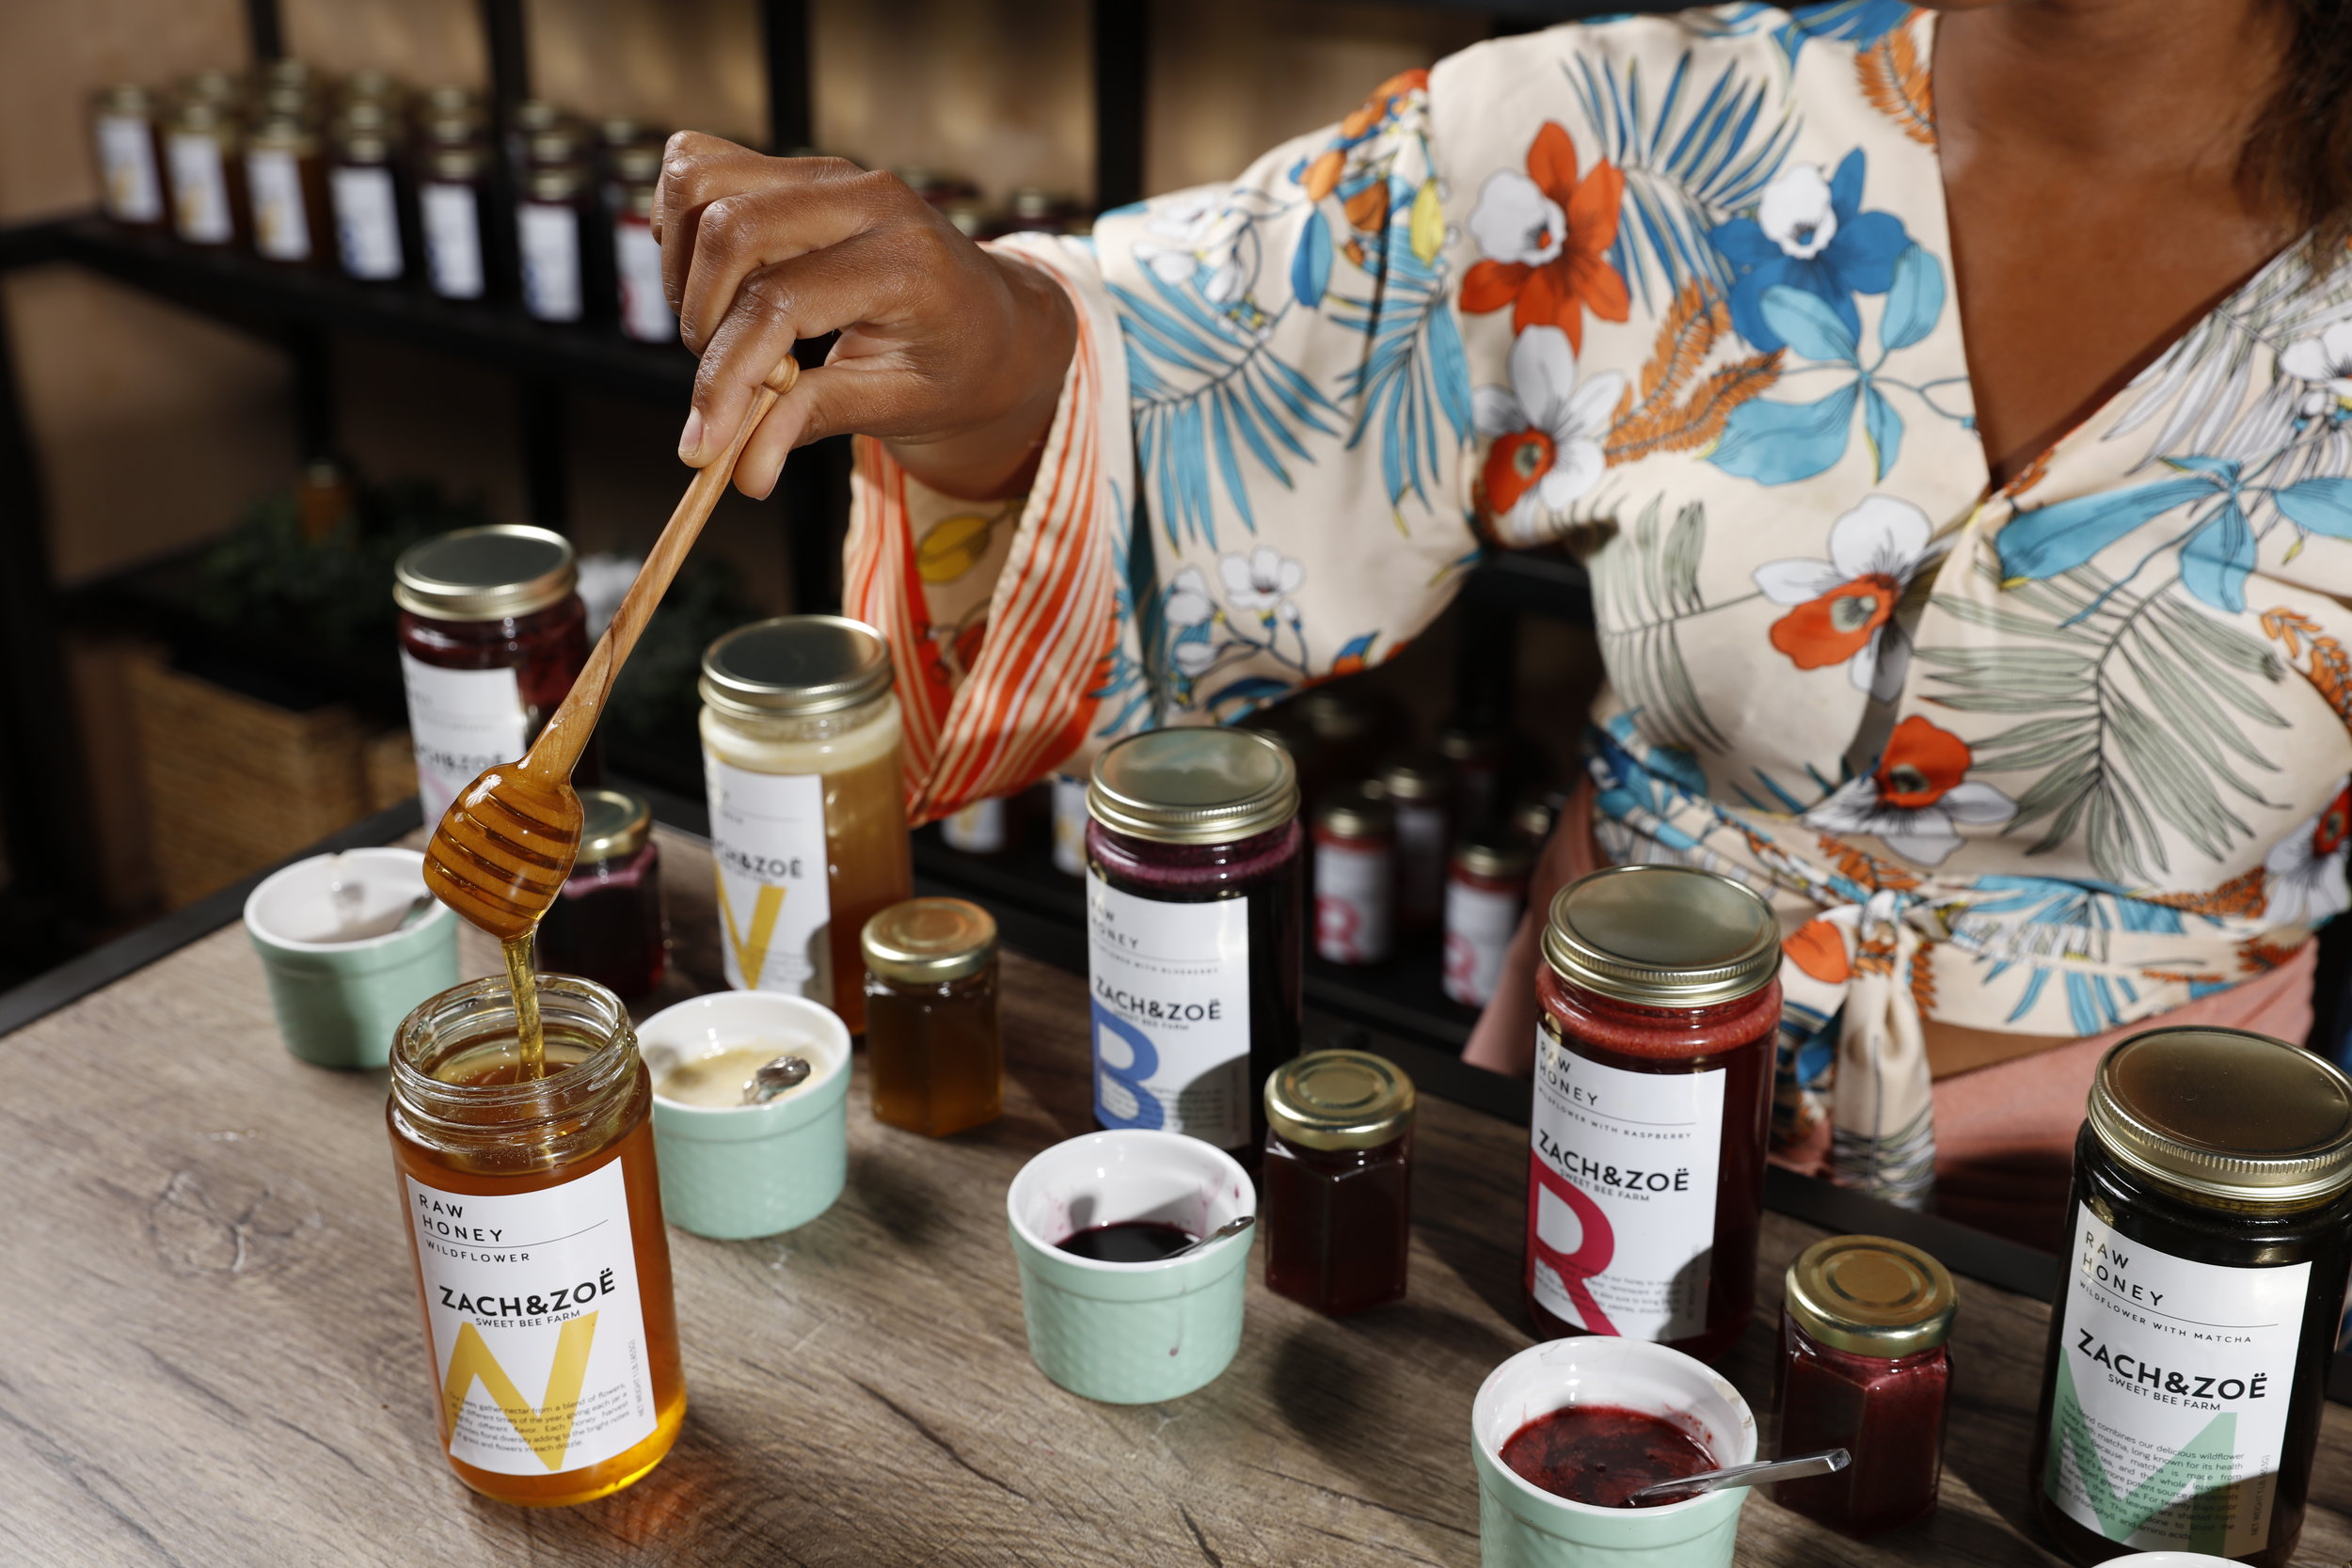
(953, 354)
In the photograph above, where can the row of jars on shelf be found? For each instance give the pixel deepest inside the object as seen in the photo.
(391, 186)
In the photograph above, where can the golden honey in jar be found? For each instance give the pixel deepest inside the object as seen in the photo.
(809, 825)
(933, 1051)
(535, 1217)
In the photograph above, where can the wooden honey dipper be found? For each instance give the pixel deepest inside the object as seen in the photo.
(506, 844)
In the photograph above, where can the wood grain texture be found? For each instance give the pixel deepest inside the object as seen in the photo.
(212, 1352)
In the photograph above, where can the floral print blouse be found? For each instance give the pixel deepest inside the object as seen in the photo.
(2046, 757)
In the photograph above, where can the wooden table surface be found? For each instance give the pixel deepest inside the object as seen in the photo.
(209, 1350)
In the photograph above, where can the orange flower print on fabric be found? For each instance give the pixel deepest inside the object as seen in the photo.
(1815, 949)
(1322, 176)
(1919, 798)
(1842, 609)
(1546, 236)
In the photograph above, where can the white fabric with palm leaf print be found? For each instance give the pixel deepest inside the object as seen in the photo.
(1676, 290)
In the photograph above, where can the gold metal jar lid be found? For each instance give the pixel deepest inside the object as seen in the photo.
(494, 573)
(1357, 812)
(126, 97)
(796, 667)
(1415, 779)
(1500, 859)
(1339, 1100)
(613, 824)
(1867, 1295)
(1193, 786)
(1662, 936)
(2228, 1115)
(928, 942)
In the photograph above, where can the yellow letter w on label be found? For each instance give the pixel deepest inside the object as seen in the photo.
(750, 952)
(548, 1428)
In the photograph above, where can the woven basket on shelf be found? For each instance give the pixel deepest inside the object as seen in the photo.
(235, 783)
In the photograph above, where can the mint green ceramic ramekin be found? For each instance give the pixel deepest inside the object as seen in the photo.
(737, 1171)
(1131, 1333)
(338, 1003)
(1523, 1525)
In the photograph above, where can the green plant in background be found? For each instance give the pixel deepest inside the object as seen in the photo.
(654, 704)
(331, 586)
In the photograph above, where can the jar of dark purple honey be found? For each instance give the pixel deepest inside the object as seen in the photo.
(1658, 1000)
(608, 924)
(1864, 1367)
(1194, 931)
(1337, 1180)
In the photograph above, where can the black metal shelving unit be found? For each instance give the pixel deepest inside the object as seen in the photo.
(308, 312)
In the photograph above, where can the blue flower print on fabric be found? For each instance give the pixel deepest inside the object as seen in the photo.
(1809, 233)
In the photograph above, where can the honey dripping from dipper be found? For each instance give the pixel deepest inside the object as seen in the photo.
(502, 850)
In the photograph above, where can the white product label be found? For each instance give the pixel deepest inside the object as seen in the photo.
(1170, 1013)
(461, 722)
(1621, 1194)
(452, 239)
(281, 222)
(548, 237)
(978, 829)
(367, 223)
(2173, 1380)
(538, 1336)
(1070, 825)
(775, 902)
(645, 307)
(1355, 903)
(1479, 926)
(1420, 860)
(199, 190)
(126, 163)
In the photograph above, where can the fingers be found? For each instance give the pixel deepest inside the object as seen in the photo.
(699, 173)
(739, 236)
(865, 278)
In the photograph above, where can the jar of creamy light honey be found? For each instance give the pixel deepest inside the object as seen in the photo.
(801, 750)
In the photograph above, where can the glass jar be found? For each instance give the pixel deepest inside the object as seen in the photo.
(607, 923)
(1337, 1180)
(1658, 1004)
(645, 313)
(1864, 1367)
(130, 166)
(363, 186)
(802, 749)
(2188, 1362)
(933, 1051)
(1194, 931)
(492, 634)
(207, 182)
(1473, 758)
(1069, 824)
(286, 182)
(982, 828)
(1355, 878)
(1416, 789)
(547, 237)
(451, 202)
(1484, 891)
(534, 1219)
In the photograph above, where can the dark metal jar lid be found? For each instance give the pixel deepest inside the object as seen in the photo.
(2227, 1114)
(615, 824)
(1496, 859)
(1339, 1100)
(494, 573)
(796, 667)
(1415, 779)
(1357, 812)
(1867, 1295)
(1193, 786)
(1662, 936)
(928, 942)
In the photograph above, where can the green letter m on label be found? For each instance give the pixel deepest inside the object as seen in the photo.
(2203, 1467)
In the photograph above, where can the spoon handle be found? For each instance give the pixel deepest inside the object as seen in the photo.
(558, 747)
(1792, 1468)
